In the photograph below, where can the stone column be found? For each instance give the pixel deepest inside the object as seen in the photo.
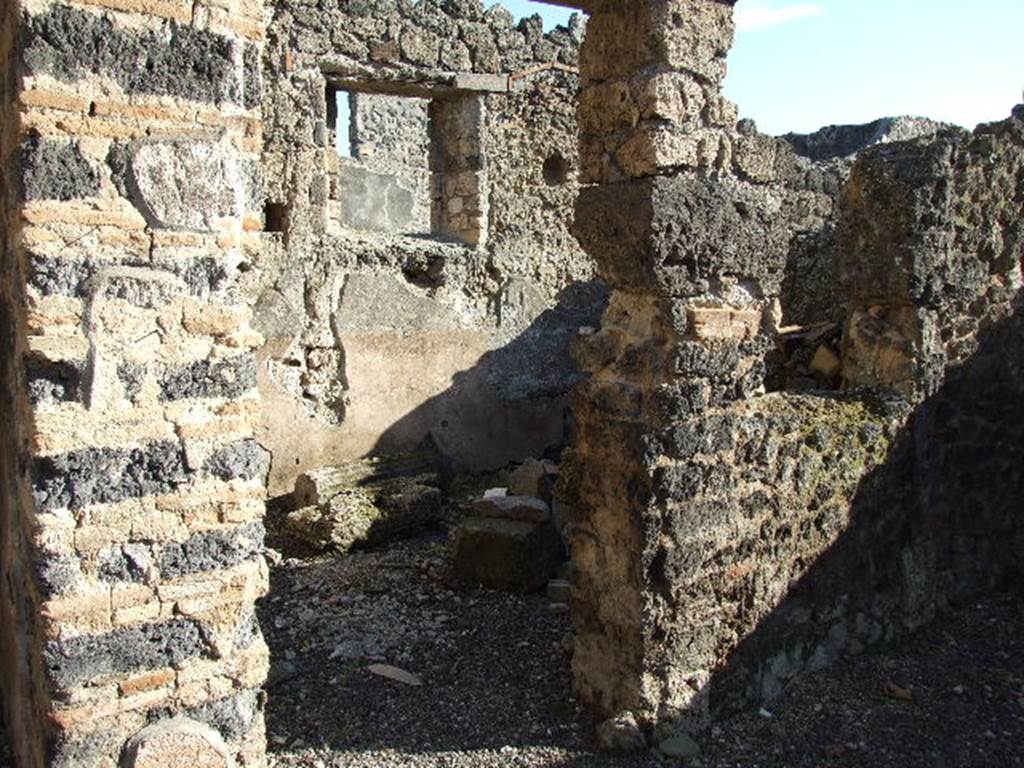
(132, 488)
(694, 251)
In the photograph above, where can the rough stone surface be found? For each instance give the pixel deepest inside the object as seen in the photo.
(366, 512)
(177, 743)
(820, 166)
(524, 508)
(680, 223)
(68, 43)
(212, 551)
(246, 460)
(532, 478)
(56, 170)
(105, 475)
(185, 184)
(77, 660)
(234, 716)
(621, 734)
(50, 382)
(210, 378)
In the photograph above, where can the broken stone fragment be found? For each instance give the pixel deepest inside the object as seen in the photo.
(532, 478)
(510, 555)
(177, 743)
(826, 362)
(525, 508)
(370, 516)
(680, 746)
(319, 486)
(621, 734)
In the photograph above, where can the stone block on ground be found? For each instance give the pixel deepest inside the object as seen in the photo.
(511, 555)
(525, 508)
(319, 486)
(533, 478)
(621, 734)
(364, 503)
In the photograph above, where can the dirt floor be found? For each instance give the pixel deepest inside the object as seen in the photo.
(487, 682)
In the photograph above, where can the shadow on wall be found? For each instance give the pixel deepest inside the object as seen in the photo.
(531, 376)
(938, 522)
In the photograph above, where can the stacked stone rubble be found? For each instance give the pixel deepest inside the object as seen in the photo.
(133, 488)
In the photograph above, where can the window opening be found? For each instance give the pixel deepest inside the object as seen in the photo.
(405, 164)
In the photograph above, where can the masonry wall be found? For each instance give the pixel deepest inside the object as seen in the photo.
(132, 486)
(379, 338)
(727, 539)
(819, 167)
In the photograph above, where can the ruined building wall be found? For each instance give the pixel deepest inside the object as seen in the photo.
(814, 176)
(727, 539)
(133, 488)
(381, 332)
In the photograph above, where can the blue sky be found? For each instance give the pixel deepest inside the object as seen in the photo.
(801, 65)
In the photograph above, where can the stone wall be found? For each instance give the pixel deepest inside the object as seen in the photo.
(389, 172)
(377, 340)
(726, 539)
(821, 164)
(132, 486)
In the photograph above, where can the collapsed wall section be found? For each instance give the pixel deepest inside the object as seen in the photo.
(133, 487)
(383, 333)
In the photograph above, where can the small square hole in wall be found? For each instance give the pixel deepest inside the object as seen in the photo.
(404, 164)
(275, 217)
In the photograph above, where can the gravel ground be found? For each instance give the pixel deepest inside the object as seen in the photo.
(951, 696)
(495, 689)
(494, 668)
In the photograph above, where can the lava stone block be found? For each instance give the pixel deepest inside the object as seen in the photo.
(510, 555)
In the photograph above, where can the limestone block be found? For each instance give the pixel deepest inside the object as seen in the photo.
(177, 743)
(693, 36)
(755, 157)
(657, 147)
(671, 96)
(607, 108)
(186, 184)
(532, 478)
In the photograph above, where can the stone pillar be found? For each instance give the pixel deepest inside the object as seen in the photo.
(132, 490)
(694, 251)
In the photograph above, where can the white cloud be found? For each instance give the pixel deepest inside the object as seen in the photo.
(756, 18)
